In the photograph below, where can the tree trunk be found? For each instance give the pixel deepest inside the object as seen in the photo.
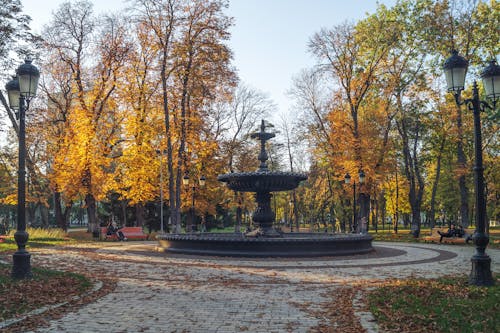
(412, 169)
(462, 164)
(375, 214)
(364, 213)
(58, 210)
(92, 214)
(416, 221)
(61, 220)
(383, 203)
(396, 213)
(139, 214)
(123, 204)
(30, 215)
(432, 212)
(44, 215)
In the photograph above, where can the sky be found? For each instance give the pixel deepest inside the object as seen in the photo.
(269, 38)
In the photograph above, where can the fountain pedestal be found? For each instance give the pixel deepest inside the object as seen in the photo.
(263, 216)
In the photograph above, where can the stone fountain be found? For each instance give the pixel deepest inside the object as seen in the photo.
(265, 241)
(262, 182)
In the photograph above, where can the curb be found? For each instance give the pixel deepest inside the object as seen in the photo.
(366, 318)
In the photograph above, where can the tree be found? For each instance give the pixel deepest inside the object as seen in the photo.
(234, 120)
(350, 57)
(93, 52)
(465, 26)
(136, 162)
(161, 17)
(194, 66)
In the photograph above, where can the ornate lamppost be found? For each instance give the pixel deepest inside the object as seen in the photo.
(347, 180)
(455, 68)
(21, 89)
(201, 183)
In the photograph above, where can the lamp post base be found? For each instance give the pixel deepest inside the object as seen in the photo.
(480, 274)
(21, 267)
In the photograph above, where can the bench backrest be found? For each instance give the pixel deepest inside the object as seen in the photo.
(104, 230)
(132, 230)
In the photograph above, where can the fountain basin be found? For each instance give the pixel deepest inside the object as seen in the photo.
(262, 181)
(289, 245)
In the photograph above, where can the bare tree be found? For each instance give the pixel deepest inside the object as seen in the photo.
(238, 118)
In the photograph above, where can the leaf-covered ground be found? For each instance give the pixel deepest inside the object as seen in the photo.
(338, 316)
(434, 306)
(413, 305)
(44, 289)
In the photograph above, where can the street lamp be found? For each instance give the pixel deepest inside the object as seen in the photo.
(347, 180)
(455, 68)
(20, 90)
(201, 183)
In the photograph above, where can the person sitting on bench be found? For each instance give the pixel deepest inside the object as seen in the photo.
(452, 232)
(114, 230)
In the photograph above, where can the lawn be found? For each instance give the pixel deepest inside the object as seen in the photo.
(404, 235)
(37, 238)
(439, 305)
(47, 287)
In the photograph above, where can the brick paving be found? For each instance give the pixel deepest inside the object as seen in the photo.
(157, 292)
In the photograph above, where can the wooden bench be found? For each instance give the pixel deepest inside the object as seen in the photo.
(128, 232)
(435, 236)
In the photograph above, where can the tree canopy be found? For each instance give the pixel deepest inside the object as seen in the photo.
(134, 102)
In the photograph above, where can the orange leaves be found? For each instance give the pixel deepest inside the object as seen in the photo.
(10, 199)
(82, 152)
(136, 174)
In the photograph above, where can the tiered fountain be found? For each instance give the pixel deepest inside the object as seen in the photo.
(265, 241)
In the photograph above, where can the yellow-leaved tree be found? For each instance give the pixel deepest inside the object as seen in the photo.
(92, 51)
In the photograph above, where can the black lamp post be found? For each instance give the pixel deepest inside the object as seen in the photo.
(347, 180)
(201, 183)
(20, 91)
(455, 68)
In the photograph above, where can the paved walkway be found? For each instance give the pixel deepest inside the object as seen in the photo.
(157, 292)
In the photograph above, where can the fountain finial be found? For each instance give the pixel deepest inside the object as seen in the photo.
(263, 136)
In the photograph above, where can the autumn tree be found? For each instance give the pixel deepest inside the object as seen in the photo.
(136, 164)
(349, 57)
(465, 26)
(193, 63)
(93, 52)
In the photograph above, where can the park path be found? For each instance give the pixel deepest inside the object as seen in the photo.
(157, 292)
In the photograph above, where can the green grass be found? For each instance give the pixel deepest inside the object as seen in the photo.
(8, 245)
(224, 230)
(37, 238)
(402, 235)
(441, 305)
(41, 234)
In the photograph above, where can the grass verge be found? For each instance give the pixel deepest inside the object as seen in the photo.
(47, 287)
(439, 305)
